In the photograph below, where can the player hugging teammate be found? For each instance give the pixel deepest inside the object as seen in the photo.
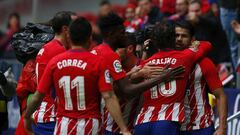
(111, 91)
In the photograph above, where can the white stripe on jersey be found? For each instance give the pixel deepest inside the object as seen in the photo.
(64, 126)
(175, 110)
(162, 112)
(37, 72)
(198, 95)
(53, 113)
(81, 127)
(109, 123)
(95, 127)
(41, 111)
(148, 114)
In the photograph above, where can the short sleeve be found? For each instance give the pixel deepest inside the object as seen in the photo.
(46, 80)
(115, 68)
(104, 82)
(203, 49)
(210, 74)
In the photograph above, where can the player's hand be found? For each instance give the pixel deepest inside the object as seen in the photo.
(150, 71)
(220, 131)
(174, 73)
(28, 125)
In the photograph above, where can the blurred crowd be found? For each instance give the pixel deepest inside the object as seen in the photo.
(216, 21)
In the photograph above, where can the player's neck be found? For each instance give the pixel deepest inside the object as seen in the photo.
(61, 39)
(78, 47)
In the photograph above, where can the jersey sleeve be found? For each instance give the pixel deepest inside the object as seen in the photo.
(46, 80)
(41, 64)
(115, 68)
(203, 49)
(210, 74)
(104, 82)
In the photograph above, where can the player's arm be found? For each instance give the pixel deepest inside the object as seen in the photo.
(215, 85)
(111, 101)
(167, 74)
(43, 87)
(113, 107)
(222, 110)
(202, 48)
(148, 71)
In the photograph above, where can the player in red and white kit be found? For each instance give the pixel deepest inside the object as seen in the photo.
(112, 29)
(79, 78)
(203, 80)
(163, 105)
(45, 116)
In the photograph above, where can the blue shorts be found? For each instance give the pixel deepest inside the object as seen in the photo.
(44, 128)
(163, 127)
(205, 131)
(110, 133)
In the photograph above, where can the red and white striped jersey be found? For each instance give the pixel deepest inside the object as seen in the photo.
(47, 112)
(203, 79)
(68, 126)
(165, 101)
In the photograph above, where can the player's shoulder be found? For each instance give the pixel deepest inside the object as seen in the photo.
(206, 63)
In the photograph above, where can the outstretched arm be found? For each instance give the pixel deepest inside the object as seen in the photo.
(113, 107)
(222, 111)
(167, 74)
(31, 108)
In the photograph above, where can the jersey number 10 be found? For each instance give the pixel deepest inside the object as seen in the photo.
(162, 89)
(68, 85)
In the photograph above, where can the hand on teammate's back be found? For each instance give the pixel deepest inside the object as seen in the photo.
(151, 71)
(174, 73)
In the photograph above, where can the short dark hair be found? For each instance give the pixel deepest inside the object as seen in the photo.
(195, 1)
(109, 23)
(163, 36)
(186, 25)
(104, 2)
(61, 19)
(80, 31)
(131, 39)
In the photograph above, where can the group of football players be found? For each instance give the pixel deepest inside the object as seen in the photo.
(109, 90)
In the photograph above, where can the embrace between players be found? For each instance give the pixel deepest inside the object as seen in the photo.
(81, 92)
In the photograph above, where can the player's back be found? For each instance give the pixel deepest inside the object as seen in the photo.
(165, 101)
(76, 75)
(46, 111)
(204, 78)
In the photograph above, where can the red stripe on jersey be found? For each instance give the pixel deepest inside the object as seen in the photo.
(69, 126)
(172, 112)
(198, 111)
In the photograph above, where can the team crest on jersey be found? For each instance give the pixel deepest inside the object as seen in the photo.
(94, 52)
(117, 66)
(107, 76)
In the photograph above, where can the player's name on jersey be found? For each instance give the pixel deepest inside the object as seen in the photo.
(71, 63)
(163, 61)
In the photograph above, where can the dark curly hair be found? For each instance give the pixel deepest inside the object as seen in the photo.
(109, 23)
(163, 36)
